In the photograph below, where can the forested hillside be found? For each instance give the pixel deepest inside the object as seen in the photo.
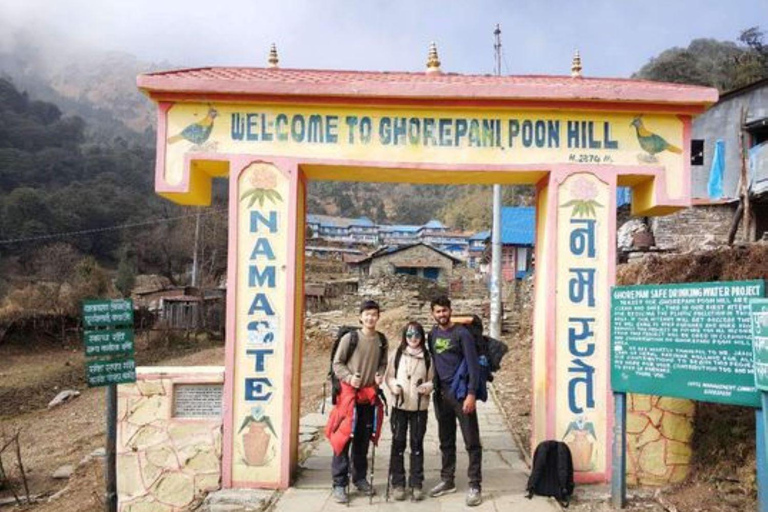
(59, 190)
(726, 65)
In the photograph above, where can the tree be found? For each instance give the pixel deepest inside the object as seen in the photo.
(726, 65)
(126, 272)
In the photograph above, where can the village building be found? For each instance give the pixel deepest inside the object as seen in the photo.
(476, 248)
(419, 259)
(363, 231)
(331, 252)
(179, 307)
(739, 119)
(518, 229)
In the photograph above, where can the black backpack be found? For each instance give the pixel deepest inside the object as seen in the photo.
(493, 349)
(552, 472)
(353, 340)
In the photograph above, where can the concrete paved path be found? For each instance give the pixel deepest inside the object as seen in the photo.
(504, 475)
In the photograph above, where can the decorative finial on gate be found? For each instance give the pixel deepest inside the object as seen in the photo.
(433, 63)
(576, 65)
(273, 60)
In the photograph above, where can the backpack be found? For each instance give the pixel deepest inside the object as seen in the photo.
(490, 352)
(552, 472)
(491, 349)
(353, 340)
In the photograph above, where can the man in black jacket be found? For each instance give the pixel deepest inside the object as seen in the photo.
(451, 344)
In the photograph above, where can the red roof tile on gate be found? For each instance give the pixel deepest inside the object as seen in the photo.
(308, 82)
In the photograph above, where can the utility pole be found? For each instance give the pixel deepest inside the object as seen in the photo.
(197, 242)
(495, 330)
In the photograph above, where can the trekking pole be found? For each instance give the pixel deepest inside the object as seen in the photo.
(322, 407)
(351, 439)
(394, 430)
(373, 460)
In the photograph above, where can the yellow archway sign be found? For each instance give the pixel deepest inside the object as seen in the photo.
(271, 130)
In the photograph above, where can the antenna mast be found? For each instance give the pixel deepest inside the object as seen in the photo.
(497, 49)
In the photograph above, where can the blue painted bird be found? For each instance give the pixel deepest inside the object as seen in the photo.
(650, 142)
(198, 132)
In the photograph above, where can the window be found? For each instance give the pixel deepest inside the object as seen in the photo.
(522, 259)
(758, 131)
(697, 152)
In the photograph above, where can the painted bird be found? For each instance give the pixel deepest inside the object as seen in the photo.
(650, 142)
(197, 133)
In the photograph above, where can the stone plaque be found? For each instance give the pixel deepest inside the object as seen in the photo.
(197, 400)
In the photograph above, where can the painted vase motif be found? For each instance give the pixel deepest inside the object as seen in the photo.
(581, 451)
(255, 444)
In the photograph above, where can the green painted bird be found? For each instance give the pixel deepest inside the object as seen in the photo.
(650, 142)
(197, 133)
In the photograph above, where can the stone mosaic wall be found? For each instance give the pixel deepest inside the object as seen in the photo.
(695, 228)
(659, 431)
(165, 464)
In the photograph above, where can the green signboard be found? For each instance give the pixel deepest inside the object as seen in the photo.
(109, 351)
(108, 313)
(116, 371)
(688, 340)
(108, 342)
(759, 316)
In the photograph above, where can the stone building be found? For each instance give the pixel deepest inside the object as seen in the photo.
(715, 179)
(705, 224)
(421, 260)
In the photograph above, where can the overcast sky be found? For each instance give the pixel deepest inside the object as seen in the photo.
(615, 37)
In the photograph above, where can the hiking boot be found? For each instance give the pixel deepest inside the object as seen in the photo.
(364, 487)
(399, 493)
(417, 494)
(474, 498)
(442, 488)
(339, 494)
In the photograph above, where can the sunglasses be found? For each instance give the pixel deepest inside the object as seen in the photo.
(412, 334)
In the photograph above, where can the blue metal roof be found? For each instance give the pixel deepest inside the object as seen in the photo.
(401, 227)
(434, 224)
(482, 235)
(362, 222)
(518, 225)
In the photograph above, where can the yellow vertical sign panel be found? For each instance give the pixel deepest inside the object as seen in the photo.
(583, 246)
(261, 324)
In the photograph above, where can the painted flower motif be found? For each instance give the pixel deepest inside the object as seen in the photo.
(583, 189)
(262, 178)
(263, 181)
(584, 193)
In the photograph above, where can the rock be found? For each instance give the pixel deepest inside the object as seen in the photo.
(98, 453)
(63, 472)
(306, 438)
(314, 419)
(627, 231)
(57, 495)
(237, 500)
(63, 397)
